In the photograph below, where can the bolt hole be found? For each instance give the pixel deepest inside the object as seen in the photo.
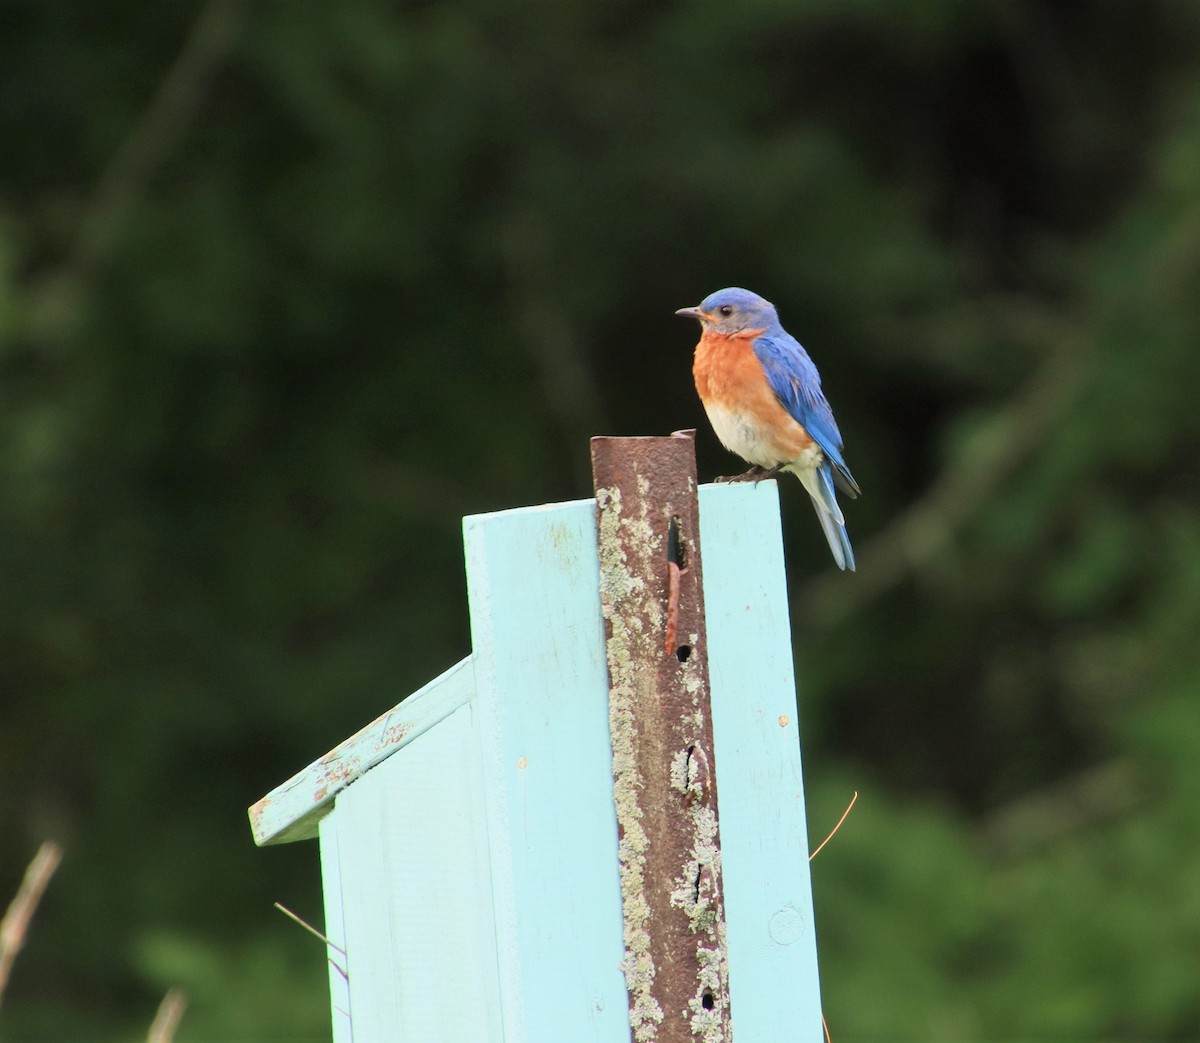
(708, 1000)
(683, 653)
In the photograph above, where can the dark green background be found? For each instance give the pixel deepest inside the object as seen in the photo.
(287, 288)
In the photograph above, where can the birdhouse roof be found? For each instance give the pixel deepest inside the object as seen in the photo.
(291, 811)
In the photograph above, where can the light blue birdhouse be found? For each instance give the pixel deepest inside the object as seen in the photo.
(468, 838)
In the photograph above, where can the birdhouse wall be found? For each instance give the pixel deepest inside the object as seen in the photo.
(407, 878)
(470, 857)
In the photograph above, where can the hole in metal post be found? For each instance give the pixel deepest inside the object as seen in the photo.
(683, 653)
(675, 566)
(697, 773)
(676, 549)
(708, 1000)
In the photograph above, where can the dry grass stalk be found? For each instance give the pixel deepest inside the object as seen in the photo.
(166, 1020)
(15, 924)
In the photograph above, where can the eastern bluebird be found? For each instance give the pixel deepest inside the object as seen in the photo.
(763, 397)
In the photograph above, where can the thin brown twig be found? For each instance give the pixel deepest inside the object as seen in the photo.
(835, 828)
(308, 927)
(162, 123)
(15, 924)
(316, 934)
(824, 1023)
(166, 1020)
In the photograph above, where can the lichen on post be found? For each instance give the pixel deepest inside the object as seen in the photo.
(664, 779)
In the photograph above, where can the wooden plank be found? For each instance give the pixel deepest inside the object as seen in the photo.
(774, 985)
(542, 693)
(293, 810)
(335, 930)
(416, 893)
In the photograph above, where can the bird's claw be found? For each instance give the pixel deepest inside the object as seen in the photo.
(756, 474)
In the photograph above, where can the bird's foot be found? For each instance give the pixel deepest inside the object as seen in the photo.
(756, 474)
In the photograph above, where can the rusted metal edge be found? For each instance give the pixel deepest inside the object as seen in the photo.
(664, 781)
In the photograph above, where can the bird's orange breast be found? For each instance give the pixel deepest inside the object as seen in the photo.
(730, 378)
(726, 369)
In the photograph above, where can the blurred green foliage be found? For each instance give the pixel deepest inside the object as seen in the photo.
(286, 289)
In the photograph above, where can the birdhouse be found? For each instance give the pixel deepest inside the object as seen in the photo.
(592, 828)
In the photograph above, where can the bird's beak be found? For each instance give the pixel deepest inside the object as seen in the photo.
(692, 313)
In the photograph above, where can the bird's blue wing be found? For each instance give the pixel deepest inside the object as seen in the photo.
(797, 384)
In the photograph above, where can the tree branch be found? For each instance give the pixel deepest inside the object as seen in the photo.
(928, 528)
(152, 137)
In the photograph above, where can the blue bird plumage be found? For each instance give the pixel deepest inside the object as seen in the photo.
(763, 396)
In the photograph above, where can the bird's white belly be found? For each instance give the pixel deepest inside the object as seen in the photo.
(740, 434)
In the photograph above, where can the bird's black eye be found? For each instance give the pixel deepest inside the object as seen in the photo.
(726, 310)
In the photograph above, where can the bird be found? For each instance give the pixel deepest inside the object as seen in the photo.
(763, 397)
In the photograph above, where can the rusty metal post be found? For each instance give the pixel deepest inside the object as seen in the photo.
(664, 781)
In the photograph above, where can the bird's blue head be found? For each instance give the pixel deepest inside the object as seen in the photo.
(733, 310)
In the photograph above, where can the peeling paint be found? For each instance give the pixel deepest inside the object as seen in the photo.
(292, 810)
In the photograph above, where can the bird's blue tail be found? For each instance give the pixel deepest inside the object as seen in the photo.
(829, 514)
